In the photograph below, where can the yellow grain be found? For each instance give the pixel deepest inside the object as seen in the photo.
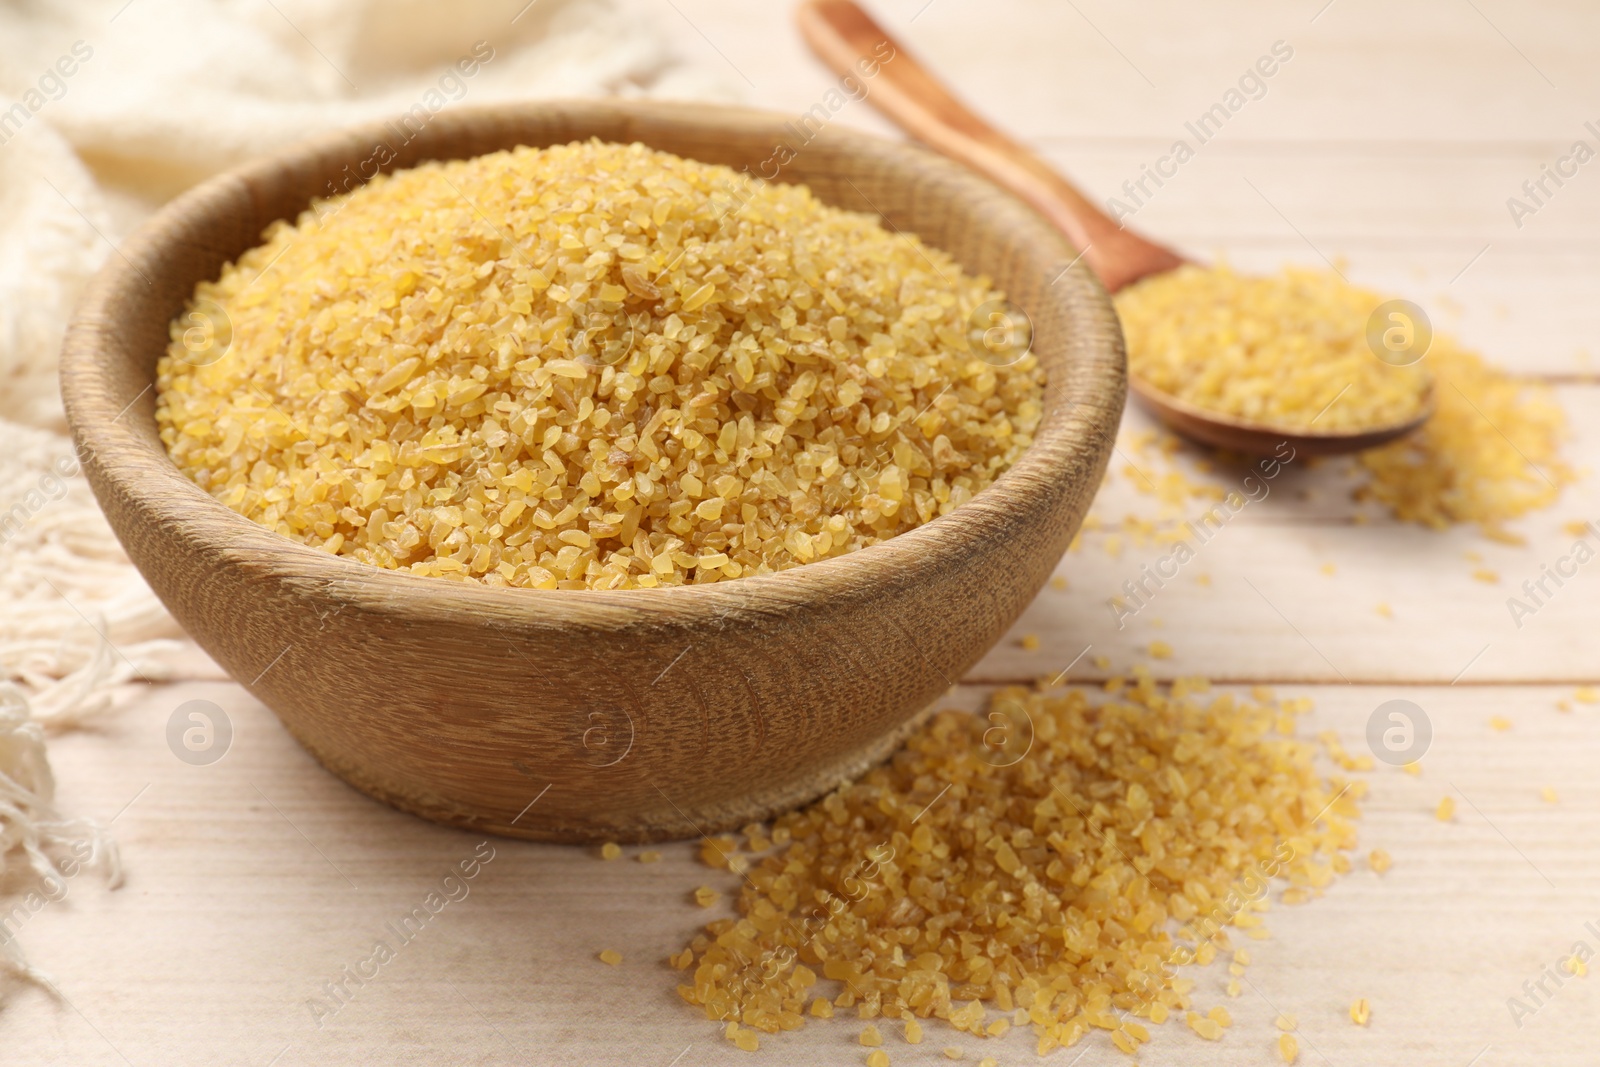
(1379, 860)
(1288, 1048)
(1446, 809)
(1160, 650)
(649, 856)
(1360, 1011)
(610, 850)
(878, 1058)
(1499, 722)
(611, 956)
(1112, 780)
(576, 367)
(871, 1037)
(1283, 350)
(706, 897)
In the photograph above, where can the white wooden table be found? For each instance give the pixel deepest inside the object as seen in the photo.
(1393, 138)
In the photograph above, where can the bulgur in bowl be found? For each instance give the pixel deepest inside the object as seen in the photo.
(630, 713)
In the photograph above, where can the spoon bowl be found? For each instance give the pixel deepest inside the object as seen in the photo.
(1249, 438)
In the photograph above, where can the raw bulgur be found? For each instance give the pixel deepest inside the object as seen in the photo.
(1064, 891)
(589, 366)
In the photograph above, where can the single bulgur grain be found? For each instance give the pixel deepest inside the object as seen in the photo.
(1483, 574)
(1058, 583)
(1576, 966)
(706, 897)
(1379, 860)
(878, 1058)
(1446, 809)
(1414, 768)
(650, 856)
(1288, 1048)
(951, 1052)
(611, 956)
(1548, 795)
(1286, 1022)
(1063, 890)
(1329, 569)
(1360, 1011)
(1160, 650)
(821, 1008)
(988, 1061)
(1586, 694)
(1385, 610)
(1030, 642)
(913, 1032)
(1500, 723)
(610, 850)
(871, 1037)
(746, 1040)
(584, 366)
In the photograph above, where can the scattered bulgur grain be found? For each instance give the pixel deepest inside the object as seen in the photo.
(878, 1058)
(988, 1061)
(611, 956)
(746, 1040)
(1160, 650)
(1286, 1022)
(1206, 1027)
(822, 1008)
(1576, 966)
(610, 850)
(1500, 723)
(1329, 569)
(1385, 610)
(1483, 574)
(1586, 694)
(1548, 795)
(1414, 768)
(1360, 1011)
(586, 366)
(913, 1032)
(1288, 1048)
(1284, 350)
(1058, 583)
(1030, 642)
(886, 880)
(951, 1052)
(650, 856)
(1379, 860)
(1232, 988)
(1446, 809)
(1490, 453)
(1123, 1042)
(871, 1037)
(706, 897)
(1220, 1016)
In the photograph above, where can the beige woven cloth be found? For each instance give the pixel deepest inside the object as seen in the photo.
(108, 108)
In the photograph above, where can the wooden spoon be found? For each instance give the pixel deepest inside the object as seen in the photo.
(846, 37)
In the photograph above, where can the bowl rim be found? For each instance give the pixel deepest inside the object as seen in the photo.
(1083, 400)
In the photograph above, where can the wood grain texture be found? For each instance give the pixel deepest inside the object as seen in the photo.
(645, 714)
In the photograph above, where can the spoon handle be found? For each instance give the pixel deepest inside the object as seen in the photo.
(843, 36)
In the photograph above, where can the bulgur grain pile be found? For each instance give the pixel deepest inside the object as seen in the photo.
(1060, 889)
(590, 366)
(1490, 453)
(1283, 350)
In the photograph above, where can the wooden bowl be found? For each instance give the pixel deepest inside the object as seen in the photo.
(574, 715)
